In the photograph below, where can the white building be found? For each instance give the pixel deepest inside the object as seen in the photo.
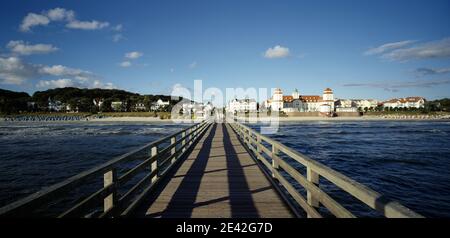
(140, 106)
(55, 105)
(277, 102)
(159, 104)
(352, 105)
(363, 103)
(193, 108)
(70, 109)
(301, 103)
(242, 105)
(346, 109)
(119, 106)
(328, 99)
(345, 103)
(408, 102)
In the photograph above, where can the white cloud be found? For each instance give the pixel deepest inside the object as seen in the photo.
(118, 27)
(24, 48)
(393, 86)
(431, 71)
(32, 20)
(193, 65)
(14, 71)
(404, 51)
(179, 90)
(87, 25)
(60, 70)
(130, 56)
(117, 37)
(133, 55)
(428, 50)
(99, 84)
(65, 82)
(277, 52)
(60, 14)
(125, 64)
(387, 47)
(59, 83)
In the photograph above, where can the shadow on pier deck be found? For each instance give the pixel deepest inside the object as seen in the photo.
(218, 179)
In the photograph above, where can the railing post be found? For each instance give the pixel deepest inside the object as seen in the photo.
(275, 165)
(258, 144)
(174, 149)
(247, 134)
(190, 136)
(183, 143)
(109, 178)
(312, 177)
(154, 165)
(194, 134)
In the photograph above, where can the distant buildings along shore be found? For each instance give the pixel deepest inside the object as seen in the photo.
(325, 104)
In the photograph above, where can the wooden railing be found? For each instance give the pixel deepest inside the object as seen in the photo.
(156, 163)
(271, 157)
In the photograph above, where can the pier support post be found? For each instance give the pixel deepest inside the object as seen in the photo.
(174, 149)
(275, 158)
(312, 177)
(190, 136)
(109, 178)
(258, 145)
(247, 137)
(194, 132)
(183, 143)
(154, 165)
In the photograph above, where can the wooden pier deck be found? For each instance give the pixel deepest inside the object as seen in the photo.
(218, 179)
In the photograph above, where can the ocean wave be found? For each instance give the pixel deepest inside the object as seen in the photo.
(71, 130)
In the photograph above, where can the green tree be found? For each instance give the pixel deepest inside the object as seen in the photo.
(85, 105)
(106, 105)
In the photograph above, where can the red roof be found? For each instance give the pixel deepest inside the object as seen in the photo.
(405, 100)
(288, 98)
(310, 98)
(328, 91)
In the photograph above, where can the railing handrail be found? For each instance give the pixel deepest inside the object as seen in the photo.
(314, 168)
(44, 194)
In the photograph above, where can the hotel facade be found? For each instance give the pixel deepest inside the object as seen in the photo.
(301, 103)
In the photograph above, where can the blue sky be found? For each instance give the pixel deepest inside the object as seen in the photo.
(361, 49)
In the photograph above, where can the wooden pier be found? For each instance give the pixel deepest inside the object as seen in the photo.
(208, 170)
(218, 179)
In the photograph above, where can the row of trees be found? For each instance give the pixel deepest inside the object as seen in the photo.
(76, 98)
(11, 102)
